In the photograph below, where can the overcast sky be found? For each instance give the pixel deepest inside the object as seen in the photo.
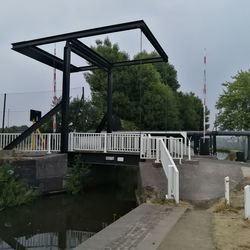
(183, 28)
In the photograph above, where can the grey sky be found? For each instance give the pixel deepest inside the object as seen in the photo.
(183, 28)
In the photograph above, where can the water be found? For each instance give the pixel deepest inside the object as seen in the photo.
(63, 221)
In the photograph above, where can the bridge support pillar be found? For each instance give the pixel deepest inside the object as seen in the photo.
(109, 102)
(65, 99)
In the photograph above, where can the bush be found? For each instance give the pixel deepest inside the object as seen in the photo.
(78, 178)
(12, 191)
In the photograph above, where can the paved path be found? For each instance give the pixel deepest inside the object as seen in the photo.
(143, 228)
(192, 232)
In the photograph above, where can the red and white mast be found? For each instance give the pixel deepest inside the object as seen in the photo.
(54, 96)
(204, 94)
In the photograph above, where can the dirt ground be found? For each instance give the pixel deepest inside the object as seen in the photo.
(230, 230)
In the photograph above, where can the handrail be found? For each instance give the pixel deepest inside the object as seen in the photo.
(170, 170)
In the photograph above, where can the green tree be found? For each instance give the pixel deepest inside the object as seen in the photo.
(142, 97)
(234, 103)
(191, 111)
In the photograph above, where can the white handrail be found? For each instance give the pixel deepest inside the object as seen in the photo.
(170, 170)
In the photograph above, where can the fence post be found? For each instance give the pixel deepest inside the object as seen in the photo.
(49, 143)
(157, 151)
(189, 150)
(105, 142)
(247, 201)
(170, 180)
(227, 196)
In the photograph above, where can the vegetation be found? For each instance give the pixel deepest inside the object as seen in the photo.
(145, 97)
(12, 191)
(234, 103)
(78, 178)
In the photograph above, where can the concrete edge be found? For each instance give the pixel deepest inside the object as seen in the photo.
(153, 240)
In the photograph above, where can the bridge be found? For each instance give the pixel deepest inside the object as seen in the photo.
(159, 146)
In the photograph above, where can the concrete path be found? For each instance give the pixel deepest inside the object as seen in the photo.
(143, 228)
(192, 232)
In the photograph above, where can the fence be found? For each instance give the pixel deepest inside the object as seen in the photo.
(46, 142)
(149, 147)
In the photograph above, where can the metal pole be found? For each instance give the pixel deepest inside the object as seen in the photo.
(109, 102)
(4, 107)
(65, 99)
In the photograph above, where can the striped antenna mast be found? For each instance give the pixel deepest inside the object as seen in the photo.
(204, 94)
(54, 92)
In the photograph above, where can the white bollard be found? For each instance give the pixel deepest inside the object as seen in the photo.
(247, 201)
(227, 198)
(189, 150)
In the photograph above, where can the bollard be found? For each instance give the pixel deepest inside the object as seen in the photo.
(227, 198)
(189, 150)
(247, 201)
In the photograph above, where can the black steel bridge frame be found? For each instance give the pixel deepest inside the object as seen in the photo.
(96, 61)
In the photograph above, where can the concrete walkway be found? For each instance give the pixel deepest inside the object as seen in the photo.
(144, 228)
(192, 232)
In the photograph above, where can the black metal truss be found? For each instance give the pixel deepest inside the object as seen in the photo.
(29, 48)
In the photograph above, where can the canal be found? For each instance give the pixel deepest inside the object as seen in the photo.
(64, 221)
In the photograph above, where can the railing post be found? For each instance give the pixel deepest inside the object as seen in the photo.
(71, 141)
(189, 150)
(157, 151)
(49, 143)
(247, 201)
(170, 174)
(105, 143)
(227, 196)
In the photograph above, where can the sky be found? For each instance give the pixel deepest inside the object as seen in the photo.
(183, 28)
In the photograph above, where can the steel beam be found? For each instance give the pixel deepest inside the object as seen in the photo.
(65, 98)
(45, 57)
(80, 34)
(90, 55)
(125, 63)
(109, 103)
(147, 32)
(35, 126)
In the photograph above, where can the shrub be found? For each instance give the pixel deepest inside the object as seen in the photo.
(12, 191)
(78, 178)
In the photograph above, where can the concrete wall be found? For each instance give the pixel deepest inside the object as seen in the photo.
(152, 183)
(46, 172)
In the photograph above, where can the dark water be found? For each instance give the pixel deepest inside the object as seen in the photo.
(63, 221)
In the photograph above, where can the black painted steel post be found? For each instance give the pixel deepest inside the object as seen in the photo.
(109, 102)
(4, 107)
(248, 147)
(65, 99)
(214, 144)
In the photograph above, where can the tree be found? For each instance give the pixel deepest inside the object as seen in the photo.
(191, 111)
(234, 103)
(143, 95)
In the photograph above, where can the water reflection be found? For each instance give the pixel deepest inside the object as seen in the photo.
(61, 222)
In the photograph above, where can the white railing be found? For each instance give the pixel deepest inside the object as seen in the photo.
(149, 147)
(170, 170)
(120, 142)
(88, 141)
(35, 142)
